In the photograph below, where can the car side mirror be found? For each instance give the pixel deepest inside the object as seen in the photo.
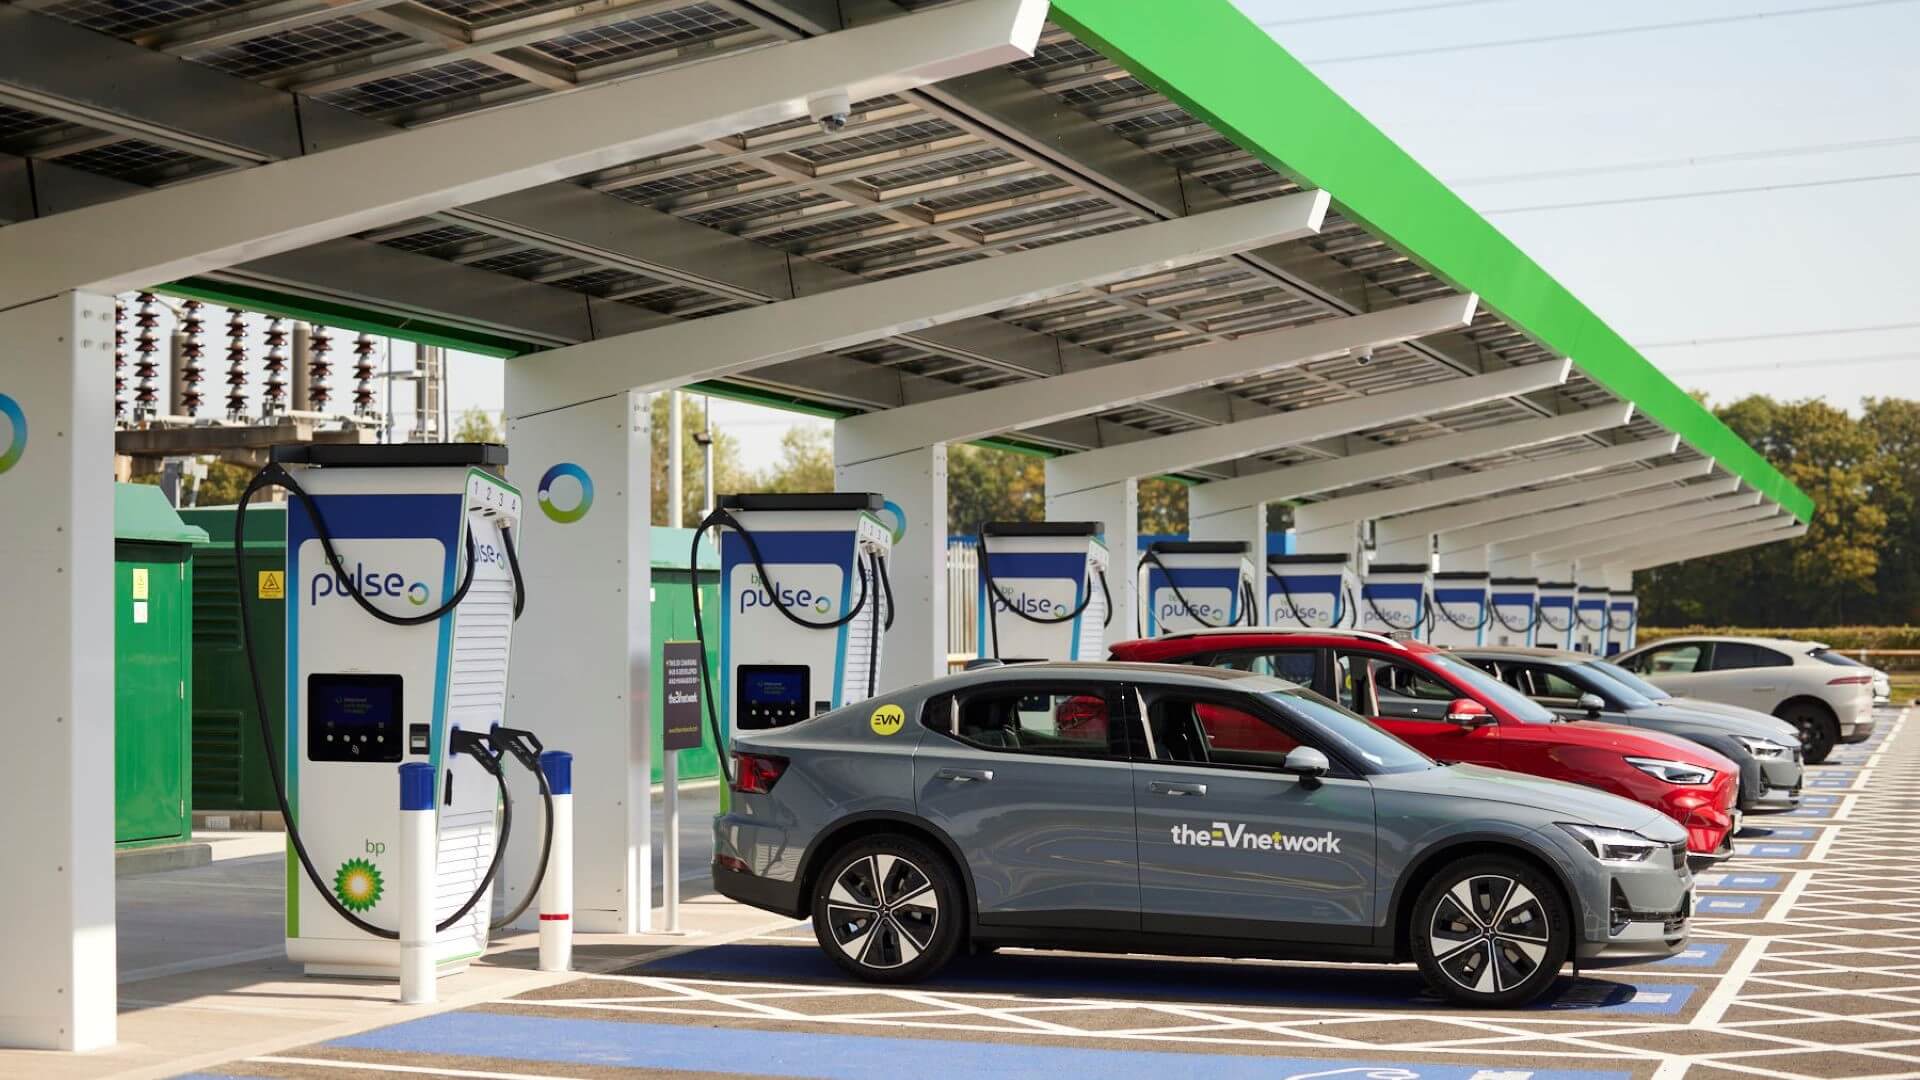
(1594, 704)
(1468, 713)
(1308, 764)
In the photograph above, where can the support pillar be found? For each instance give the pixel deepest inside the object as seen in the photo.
(1119, 506)
(581, 670)
(56, 661)
(915, 485)
(1248, 523)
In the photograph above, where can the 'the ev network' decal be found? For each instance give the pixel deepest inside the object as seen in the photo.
(17, 444)
(555, 513)
(1237, 834)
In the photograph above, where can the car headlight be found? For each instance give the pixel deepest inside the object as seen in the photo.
(1673, 772)
(1763, 748)
(1613, 845)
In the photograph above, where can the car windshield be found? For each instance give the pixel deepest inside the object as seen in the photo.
(1627, 678)
(1359, 738)
(1608, 686)
(1522, 707)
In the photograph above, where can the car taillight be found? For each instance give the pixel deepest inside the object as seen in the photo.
(755, 774)
(1851, 680)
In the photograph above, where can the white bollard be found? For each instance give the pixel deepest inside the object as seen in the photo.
(418, 832)
(556, 888)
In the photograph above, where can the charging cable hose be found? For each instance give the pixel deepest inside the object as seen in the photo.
(722, 518)
(994, 592)
(472, 744)
(1245, 590)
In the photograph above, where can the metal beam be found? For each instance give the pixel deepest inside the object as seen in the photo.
(725, 344)
(1186, 449)
(189, 229)
(1422, 525)
(1746, 508)
(1298, 481)
(1077, 393)
(1702, 545)
(1525, 525)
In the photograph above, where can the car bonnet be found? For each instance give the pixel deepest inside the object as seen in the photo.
(1554, 798)
(1752, 724)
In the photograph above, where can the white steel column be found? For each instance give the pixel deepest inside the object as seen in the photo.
(57, 663)
(915, 485)
(1118, 505)
(581, 667)
(681, 352)
(180, 231)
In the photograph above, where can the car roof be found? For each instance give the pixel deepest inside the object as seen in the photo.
(1529, 652)
(1782, 644)
(1269, 632)
(1116, 671)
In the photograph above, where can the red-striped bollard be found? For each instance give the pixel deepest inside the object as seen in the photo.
(556, 887)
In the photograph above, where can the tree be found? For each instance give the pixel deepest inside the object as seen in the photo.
(1163, 506)
(476, 425)
(806, 462)
(729, 475)
(989, 484)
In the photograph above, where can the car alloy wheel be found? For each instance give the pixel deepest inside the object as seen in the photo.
(886, 909)
(1490, 932)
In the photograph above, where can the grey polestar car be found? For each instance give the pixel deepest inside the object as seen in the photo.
(1580, 686)
(1148, 808)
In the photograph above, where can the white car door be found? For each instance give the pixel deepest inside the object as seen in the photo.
(1740, 673)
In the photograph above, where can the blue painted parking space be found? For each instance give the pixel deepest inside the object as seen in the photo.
(1275, 985)
(1729, 904)
(1777, 832)
(1737, 881)
(1703, 955)
(1815, 812)
(1776, 851)
(612, 1043)
(1820, 800)
(1831, 782)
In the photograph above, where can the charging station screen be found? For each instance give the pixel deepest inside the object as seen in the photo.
(354, 718)
(772, 695)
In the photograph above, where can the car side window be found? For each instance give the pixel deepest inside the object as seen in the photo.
(1346, 685)
(1547, 683)
(1737, 655)
(1199, 730)
(1673, 660)
(1297, 666)
(1053, 720)
(1402, 691)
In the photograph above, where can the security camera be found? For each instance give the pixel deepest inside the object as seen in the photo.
(830, 111)
(1363, 355)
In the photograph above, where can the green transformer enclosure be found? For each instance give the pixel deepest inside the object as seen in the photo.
(229, 766)
(153, 598)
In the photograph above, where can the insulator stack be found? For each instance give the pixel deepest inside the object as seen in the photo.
(273, 400)
(193, 350)
(319, 369)
(236, 364)
(145, 365)
(119, 360)
(363, 375)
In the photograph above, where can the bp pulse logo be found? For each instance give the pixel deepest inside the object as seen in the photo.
(1027, 604)
(368, 583)
(1236, 834)
(758, 595)
(551, 499)
(899, 516)
(1172, 608)
(15, 442)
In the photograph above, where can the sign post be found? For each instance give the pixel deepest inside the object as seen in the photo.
(679, 730)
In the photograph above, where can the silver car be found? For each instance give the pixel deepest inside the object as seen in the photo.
(1828, 704)
(1182, 810)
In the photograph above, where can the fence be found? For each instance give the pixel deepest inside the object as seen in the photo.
(963, 602)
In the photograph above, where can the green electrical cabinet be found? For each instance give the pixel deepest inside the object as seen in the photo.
(229, 764)
(153, 667)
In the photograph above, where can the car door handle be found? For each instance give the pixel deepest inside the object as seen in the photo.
(1162, 787)
(965, 776)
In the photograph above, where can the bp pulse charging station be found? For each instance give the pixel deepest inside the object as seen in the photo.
(1393, 598)
(1554, 615)
(1461, 608)
(1623, 617)
(402, 586)
(1197, 585)
(1311, 591)
(1514, 604)
(1043, 591)
(1591, 620)
(805, 603)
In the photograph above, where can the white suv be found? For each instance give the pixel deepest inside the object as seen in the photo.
(1828, 703)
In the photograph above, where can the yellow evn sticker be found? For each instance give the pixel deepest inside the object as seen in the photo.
(888, 719)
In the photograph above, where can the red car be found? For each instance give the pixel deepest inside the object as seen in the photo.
(1453, 711)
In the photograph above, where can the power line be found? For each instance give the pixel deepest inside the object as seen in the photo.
(1732, 157)
(1787, 365)
(1760, 189)
(1734, 339)
(1585, 35)
(1412, 9)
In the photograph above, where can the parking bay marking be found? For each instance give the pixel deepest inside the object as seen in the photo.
(1718, 880)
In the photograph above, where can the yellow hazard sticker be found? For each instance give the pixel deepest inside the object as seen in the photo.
(140, 583)
(888, 719)
(273, 584)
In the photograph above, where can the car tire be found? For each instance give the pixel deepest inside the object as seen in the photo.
(889, 909)
(1818, 729)
(1491, 932)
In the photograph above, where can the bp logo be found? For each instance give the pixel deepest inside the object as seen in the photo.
(417, 594)
(550, 502)
(16, 443)
(357, 883)
(899, 518)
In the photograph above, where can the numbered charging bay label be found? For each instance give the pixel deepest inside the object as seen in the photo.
(888, 719)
